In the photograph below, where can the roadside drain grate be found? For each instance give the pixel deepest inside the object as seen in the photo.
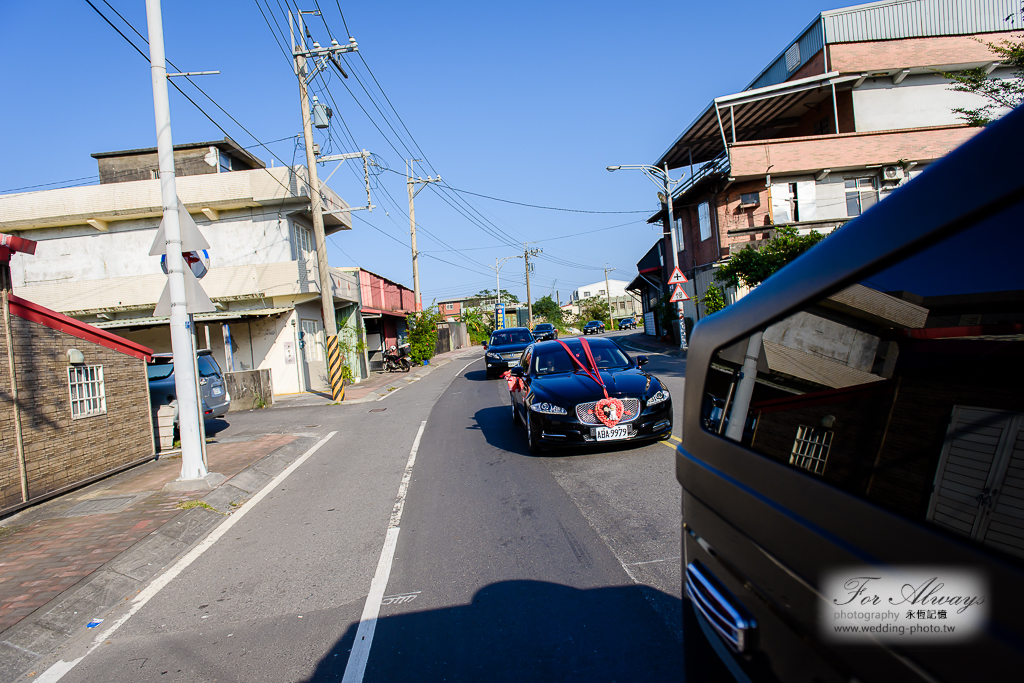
(98, 505)
(378, 410)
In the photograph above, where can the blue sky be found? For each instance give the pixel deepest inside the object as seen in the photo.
(524, 101)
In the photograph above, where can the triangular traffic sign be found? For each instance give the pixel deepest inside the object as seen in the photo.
(191, 238)
(679, 294)
(677, 277)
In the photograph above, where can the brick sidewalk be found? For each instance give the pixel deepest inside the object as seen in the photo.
(48, 549)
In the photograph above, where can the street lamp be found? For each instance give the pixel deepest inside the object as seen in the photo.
(661, 178)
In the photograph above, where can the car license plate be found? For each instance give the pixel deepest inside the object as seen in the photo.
(513, 364)
(611, 433)
(217, 391)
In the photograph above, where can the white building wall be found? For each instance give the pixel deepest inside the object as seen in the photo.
(618, 288)
(76, 253)
(920, 100)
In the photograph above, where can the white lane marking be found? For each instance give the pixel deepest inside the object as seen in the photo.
(470, 363)
(57, 671)
(665, 559)
(357, 659)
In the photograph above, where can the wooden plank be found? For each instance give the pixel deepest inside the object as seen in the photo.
(996, 538)
(966, 445)
(962, 515)
(967, 508)
(969, 467)
(953, 486)
(1010, 527)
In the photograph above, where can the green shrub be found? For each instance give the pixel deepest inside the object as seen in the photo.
(423, 334)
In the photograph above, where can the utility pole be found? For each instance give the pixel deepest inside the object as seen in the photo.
(185, 386)
(608, 294)
(320, 55)
(412, 221)
(527, 253)
(498, 263)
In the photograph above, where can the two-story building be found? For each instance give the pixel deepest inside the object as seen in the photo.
(853, 107)
(622, 304)
(92, 261)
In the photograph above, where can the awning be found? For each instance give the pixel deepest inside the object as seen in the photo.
(199, 317)
(637, 284)
(377, 311)
(753, 113)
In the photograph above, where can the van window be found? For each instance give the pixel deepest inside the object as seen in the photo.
(208, 366)
(904, 389)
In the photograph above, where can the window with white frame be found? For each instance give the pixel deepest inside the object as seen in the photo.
(304, 239)
(449, 307)
(312, 343)
(861, 195)
(704, 220)
(85, 383)
(810, 448)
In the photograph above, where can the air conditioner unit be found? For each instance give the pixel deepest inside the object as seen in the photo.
(892, 173)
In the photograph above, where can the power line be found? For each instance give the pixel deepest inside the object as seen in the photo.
(535, 206)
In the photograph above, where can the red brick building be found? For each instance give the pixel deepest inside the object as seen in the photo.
(82, 404)
(851, 109)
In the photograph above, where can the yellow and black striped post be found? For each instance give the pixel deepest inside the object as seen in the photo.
(334, 369)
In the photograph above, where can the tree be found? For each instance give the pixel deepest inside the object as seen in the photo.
(423, 333)
(506, 296)
(478, 325)
(594, 308)
(547, 308)
(714, 300)
(1001, 93)
(752, 266)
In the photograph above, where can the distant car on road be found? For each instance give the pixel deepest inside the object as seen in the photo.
(545, 331)
(627, 324)
(594, 327)
(504, 349)
(561, 405)
(216, 399)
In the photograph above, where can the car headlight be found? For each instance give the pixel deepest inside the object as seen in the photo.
(549, 408)
(658, 397)
(493, 355)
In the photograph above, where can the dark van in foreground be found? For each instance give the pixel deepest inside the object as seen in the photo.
(853, 454)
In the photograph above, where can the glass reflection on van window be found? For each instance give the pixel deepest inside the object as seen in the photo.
(905, 389)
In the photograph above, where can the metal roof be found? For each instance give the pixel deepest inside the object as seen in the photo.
(889, 20)
(751, 113)
(199, 317)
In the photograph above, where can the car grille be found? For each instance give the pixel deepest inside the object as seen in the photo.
(631, 405)
(510, 356)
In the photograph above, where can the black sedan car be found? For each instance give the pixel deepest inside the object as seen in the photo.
(627, 324)
(594, 327)
(556, 396)
(504, 349)
(545, 331)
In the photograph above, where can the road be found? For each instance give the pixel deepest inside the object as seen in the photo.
(504, 566)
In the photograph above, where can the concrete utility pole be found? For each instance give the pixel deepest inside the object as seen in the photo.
(320, 55)
(185, 386)
(411, 182)
(608, 294)
(527, 253)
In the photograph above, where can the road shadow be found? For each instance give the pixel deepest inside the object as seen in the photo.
(215, 425)
(479, 376)
(519, 631)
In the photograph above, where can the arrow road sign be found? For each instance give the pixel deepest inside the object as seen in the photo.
(679, 294)
(677, 277)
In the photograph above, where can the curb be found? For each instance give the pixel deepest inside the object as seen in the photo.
(97, 595)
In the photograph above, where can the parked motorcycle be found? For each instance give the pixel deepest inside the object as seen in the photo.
(397, 358)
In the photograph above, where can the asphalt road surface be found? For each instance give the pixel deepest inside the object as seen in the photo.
(493, 565)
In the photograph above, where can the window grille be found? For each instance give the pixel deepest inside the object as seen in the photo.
(86, 389)
(810, 448)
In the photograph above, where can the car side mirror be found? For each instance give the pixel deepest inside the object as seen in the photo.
(485, 346)
(642, 361)
(517, 372)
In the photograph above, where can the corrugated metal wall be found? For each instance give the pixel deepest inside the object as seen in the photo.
(811, 41)
(916, 18)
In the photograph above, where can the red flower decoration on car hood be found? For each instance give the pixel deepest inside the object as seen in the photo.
(609, 411)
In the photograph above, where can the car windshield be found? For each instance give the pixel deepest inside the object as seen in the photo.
(554, 359)
(511, 337)
(159, 370)
(542, 328)
(594, 323)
